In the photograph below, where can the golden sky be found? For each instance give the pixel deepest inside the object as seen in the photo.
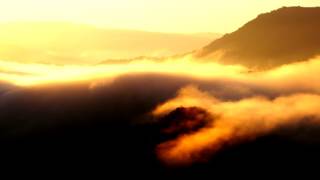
(182, 16)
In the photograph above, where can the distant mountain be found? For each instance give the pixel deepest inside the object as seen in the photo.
(282, 36)
(63, 43)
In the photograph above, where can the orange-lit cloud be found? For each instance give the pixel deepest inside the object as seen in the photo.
(232, 121)
(295, 88)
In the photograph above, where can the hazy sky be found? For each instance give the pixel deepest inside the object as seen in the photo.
(183, 16)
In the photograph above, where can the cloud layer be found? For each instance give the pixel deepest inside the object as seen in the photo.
(239, 103)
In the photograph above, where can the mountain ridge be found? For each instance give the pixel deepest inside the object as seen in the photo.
(69, 43)
(282, 36)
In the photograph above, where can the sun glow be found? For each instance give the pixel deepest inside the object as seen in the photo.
(147, 15)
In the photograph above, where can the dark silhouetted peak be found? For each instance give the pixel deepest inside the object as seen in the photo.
(283, 36)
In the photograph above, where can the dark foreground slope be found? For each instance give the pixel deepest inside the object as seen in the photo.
(107, 131)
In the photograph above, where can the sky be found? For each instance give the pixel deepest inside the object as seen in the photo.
(179, 16)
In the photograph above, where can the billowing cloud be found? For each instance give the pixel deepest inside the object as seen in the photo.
(232, 121)
(261, 102)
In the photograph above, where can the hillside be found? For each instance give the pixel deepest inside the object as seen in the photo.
(282, 36)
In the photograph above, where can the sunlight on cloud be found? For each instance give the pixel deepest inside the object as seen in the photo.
(296, 100)
(291, 76)
(44, 74)
(232, 121)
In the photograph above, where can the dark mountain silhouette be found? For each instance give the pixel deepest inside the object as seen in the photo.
(283, 36)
